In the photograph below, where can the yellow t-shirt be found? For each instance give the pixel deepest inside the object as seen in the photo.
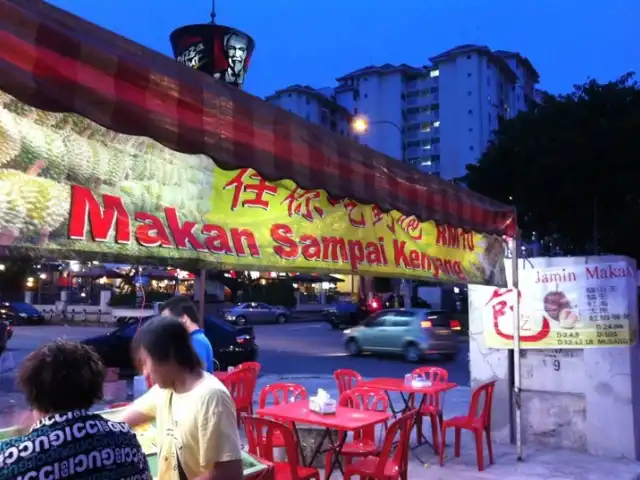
(198, 428)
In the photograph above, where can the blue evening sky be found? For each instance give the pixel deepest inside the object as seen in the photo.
(312, 42)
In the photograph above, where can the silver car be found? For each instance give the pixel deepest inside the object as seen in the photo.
(413, 333)
(253, 312)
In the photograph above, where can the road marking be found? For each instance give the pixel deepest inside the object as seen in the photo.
(305, 327)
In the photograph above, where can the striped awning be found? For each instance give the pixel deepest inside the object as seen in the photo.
(56, 61)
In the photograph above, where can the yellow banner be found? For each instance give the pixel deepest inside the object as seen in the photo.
(579, 306)
(70, 186)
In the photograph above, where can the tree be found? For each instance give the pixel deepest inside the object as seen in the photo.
(571, 166)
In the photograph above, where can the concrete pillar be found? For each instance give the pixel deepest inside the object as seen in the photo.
(105, 296)
(28, 297)
(64, 296)
(323, 296)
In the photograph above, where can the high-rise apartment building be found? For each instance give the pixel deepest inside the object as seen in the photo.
(438, 117)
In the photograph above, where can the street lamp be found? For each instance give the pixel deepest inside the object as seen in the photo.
(360, 124)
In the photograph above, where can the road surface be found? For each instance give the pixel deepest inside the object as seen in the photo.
(290, 349)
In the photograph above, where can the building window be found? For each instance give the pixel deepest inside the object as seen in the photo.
(436, 124)
(471, 147)
(289, 95)
(434, 89)
(470, 129)
(366, 79)
(435, 106)
(355, 110)
(468, 74)
(469, 93)
(435, 140)
(468, 57)
(366, 95)
(425, 127)
(470, 112)
(308, 101)
(434, 73)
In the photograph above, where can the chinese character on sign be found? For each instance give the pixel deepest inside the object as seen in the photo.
(302, 203)
(379, 216)
(250, 183)
(354, 211)
(411, 226)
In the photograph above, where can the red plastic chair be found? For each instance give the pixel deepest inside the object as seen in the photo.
(364, 441)
(241, 385)
(346, 379)
(477, 421)
(431, 406)
(390, 464)
(261, 435)
(278, 393)
(250, 365)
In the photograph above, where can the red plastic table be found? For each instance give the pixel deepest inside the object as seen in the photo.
(344, 420)
(397, 385)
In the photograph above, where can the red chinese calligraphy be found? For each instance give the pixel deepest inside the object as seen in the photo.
(250, 183)
(301, 202)
(354, 211)
(411, 226)
(379, 216)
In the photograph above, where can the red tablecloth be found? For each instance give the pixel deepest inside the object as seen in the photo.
(398, 385)
(345, 419)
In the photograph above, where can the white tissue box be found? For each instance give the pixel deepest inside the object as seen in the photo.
(324, 407)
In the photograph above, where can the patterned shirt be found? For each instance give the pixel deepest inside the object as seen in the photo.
(78, 445)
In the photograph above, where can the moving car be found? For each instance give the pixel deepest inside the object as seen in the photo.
(20, 313)
(413, 333)
(254, 312)
(231, 346)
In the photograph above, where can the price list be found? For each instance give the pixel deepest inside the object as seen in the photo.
(605, 310)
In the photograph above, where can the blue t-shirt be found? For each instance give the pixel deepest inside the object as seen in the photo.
(203, 348)
(79, 445)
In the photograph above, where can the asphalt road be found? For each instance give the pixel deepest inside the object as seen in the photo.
(290, 349)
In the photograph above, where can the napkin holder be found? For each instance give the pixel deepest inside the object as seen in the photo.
(322, 403)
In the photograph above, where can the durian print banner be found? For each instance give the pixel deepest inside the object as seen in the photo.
(71, 188)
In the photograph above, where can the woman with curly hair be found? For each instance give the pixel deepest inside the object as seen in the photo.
(61, 381)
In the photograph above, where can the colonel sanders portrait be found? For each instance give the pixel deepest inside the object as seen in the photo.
(236, 46)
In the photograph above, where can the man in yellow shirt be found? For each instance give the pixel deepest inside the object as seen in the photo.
(194, 413)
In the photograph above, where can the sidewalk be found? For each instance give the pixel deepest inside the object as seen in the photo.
(538, 463)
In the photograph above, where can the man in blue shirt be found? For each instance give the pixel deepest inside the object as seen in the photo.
(184, 310)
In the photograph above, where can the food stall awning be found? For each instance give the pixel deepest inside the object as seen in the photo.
(59, 62)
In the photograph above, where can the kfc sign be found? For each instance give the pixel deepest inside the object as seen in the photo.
(222, 52)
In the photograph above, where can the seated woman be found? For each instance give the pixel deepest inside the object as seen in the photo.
(61, 381)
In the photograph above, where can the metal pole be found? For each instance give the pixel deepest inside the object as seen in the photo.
(516, 347)
(213, 12)
(203, 292)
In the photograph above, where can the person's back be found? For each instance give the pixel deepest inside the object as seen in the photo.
(61, 382)
(78, 444)
(203, 348)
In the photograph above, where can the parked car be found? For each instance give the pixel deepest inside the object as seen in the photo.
(20, 313)
(348, 314)
(413, 333)
(253, 312)
(231, 346)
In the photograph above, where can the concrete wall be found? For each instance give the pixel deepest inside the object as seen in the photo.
(581, 400)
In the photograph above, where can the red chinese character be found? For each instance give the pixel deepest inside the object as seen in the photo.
(356, 220)
(259, 188)
(379, 215)
(411, 226)
(301, 202)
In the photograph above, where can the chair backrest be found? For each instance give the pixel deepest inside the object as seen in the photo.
(366, 399)
(241, 385)
(481, 401)
(434, 375)
(282, 392)
(346, 379)
(399, 431)
(261, 433)
(251, 365)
